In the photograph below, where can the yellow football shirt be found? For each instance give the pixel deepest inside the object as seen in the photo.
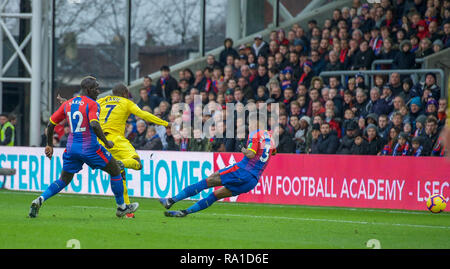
(115, 110)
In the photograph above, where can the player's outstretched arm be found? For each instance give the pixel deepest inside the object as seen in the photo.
(99, 133)
(49, 147)
(135, 110)
(60, 99)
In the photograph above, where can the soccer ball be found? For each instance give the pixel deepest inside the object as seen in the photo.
(436, 203)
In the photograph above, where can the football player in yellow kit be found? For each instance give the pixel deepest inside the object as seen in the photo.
(114, 112)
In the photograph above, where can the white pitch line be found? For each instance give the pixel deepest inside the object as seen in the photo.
(338, 221)
(296, 219)
(380, 210)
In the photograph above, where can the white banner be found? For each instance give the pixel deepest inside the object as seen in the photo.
(164, 173)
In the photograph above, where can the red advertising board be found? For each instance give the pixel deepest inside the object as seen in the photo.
(347, 181)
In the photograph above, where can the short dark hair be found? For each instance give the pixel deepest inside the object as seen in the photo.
(432, 119)
(383, 116)
(274, 70)
(120, 89)
(165, 68)
(88, 83)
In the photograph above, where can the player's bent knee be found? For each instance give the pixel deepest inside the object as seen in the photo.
(222, 193)
(112, 168)
(214, 180)
(66, 177)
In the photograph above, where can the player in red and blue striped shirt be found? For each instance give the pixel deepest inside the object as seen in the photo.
(236, 179)
(82, 114)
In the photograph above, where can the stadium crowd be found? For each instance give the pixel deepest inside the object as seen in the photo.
(317, 115)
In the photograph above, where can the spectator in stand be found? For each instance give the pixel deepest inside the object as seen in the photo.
(260, 47)
(285, 142)
(281, 38)
(375, 143)
(300, 137)
(153, 98)
(273, 48)
(415, 106)
(334, 64)
(184, 87)
(428, 88)
(437, 46)
(432, 108)
(144, 101)
(153, 140)
(425, 48)
(172, 144)
(364, 57)
(361, 103)
(65, 137)
(405, 94)
(189, 76)
(166, 83)
(261, 79)
(328, 141)
(199, 142)
(307, 75)
(211, 61)
(376, 41)
(404, 59)
(318, 64)
(227, 51)
(383, 129)
(140, 140)
(395, 84)
(312, 142)
(387, 51)
(247, 91)
(347, 140)
(420, 125)
(402, 147)
(430, 136)
(349, 102)
(434, 31)
(416, 148)
(130, 132)
(359, 146)
(388, 149)
(442, 111)
(398, 104)
(446, 36)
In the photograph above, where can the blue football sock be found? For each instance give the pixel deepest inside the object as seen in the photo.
(202, 204)
(190, 190)
(117, 189)
(54, 188)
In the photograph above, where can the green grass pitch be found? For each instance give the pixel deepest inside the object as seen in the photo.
(91, 220)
